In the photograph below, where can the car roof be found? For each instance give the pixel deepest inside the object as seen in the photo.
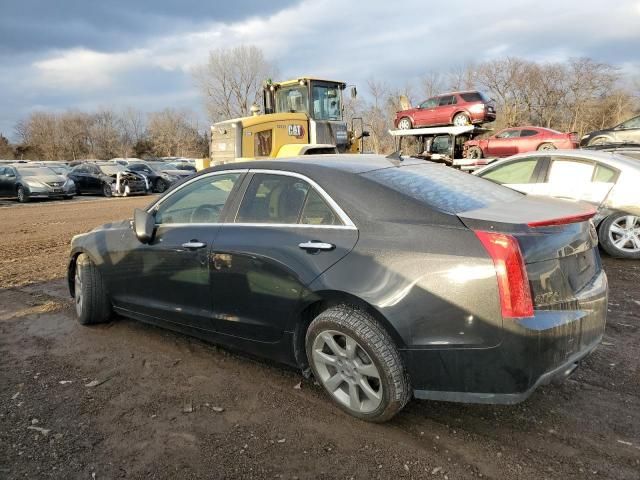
(348, 163)
(608, 158)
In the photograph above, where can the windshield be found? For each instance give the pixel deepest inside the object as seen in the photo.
(159, 166)
(35, 171)
(60, 170)
(112, 169)
(293, 99)
(326, 103)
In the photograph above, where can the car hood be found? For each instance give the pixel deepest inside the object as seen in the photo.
(177, 173)
(47, 178)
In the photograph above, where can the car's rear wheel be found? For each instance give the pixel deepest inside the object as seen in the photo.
(474, 152)
(106, 190)
(23, 196)
(599, 141)
(461, 120)
(91, 300)
(619, 235)
(405, 124)
(357, 363)
(546, 146)
(160, 186)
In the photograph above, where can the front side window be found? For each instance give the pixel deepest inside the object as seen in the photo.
(568, 172)
(281, 199)
(201, 201)
(292, 99)
(326, 103)
(513, 173)
(508, 134)
(431, 103)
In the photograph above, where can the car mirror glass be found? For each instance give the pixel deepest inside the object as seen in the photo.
(143, 225)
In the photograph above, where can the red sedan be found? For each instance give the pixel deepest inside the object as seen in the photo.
(511, 141)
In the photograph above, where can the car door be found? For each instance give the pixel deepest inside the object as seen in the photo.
(425, 113)
(78, 174)
(521, 174)
(93, 181)
(527, 141)
(578, 179)
(503, 144)
(445, 109)
(8, 182)
(3, 182)
(168, 278)
(286, 232)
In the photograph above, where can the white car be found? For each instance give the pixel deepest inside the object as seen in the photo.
(609, 181)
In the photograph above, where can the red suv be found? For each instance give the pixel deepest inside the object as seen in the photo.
(455, 108)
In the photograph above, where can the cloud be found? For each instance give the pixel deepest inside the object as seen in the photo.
(77, 53)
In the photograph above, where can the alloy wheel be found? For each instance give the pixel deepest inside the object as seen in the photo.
(78, 290)
(347, 371)
(460, 120)
(404, 124)
(624, 233)
(21, 195)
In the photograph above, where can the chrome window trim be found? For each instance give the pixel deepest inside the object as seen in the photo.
(347, 222)
(344, 218)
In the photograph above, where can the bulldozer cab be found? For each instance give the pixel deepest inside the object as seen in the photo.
(320, 99)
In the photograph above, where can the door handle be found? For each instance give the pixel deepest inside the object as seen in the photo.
(193, 245)
(315, 246)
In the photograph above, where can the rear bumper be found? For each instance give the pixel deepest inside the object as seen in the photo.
(533, 352)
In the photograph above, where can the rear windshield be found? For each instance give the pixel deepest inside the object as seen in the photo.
(474, 97)
(443, 188)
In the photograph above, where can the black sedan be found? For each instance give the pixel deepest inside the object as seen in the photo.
(29, 182)
(108, 179)
(160, 175)
(385, 279)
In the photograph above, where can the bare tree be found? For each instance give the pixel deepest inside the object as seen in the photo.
(231, 81)
(175, 133)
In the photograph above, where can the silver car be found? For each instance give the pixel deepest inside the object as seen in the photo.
(610, 181)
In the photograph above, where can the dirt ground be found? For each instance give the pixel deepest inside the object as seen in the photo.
(127, 400)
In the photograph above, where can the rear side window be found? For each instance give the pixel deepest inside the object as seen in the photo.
(473, 97)
(447, 100)
(528, 133)
(604, 174)
(443, 188)
(283, 199)
(512, 173)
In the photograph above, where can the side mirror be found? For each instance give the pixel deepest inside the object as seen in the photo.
(354, 92)
(365, 133)
(143, 225)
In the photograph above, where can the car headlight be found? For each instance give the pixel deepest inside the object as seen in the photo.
(69, 183)
(35, 183)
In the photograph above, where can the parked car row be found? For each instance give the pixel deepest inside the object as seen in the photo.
(26, 180)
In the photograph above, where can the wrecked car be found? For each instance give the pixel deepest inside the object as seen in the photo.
(108, 179)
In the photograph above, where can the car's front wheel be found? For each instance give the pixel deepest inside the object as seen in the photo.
(474, 152)
(91, 300)
(619, 235)
(405, 124)
(160, 186)
(357, 363)
(106, 190)
(23, 195)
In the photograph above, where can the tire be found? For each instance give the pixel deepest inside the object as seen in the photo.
(474, 152)
(619, 235)
(106, 190)
(405, 124)
(68, 197)
(546, 146)
(461, 120)
(362, 372)
(160, 186)
(90, 297)
(23, 196)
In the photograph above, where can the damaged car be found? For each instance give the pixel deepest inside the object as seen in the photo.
(159, 174)
(108, 179)
(384, 279)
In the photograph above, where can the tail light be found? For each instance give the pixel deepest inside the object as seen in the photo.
(513, 282)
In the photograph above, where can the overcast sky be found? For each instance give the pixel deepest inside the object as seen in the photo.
(84, 54)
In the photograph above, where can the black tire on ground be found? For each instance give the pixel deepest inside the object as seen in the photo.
(461, 119)
(90, 297)
(106, 190)
(607, 237)
(160, 185)
(474, 152)
(68, 197)
(377, 345)
(23, 196)
(547, 146)
(405, 124)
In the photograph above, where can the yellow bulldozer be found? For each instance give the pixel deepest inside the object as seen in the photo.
(298, 117)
